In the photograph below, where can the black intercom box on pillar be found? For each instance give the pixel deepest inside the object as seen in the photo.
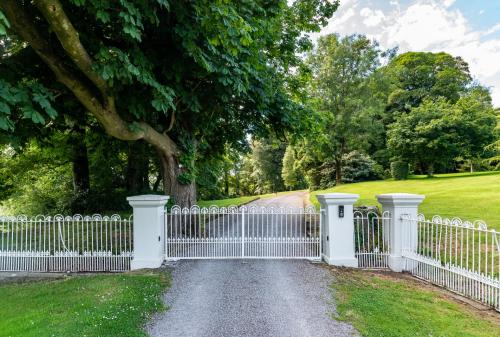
(341, 211)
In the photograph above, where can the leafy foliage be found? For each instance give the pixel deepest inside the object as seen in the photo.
(400, 170)
(267, 159)
(435, 133)
(26, 100)
(419, 75)
(359, 167)
(174, 73)
(290, 173)
(343, 76)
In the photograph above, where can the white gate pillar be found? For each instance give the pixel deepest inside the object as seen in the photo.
(401, 235)
(149, 228)
(338, 228)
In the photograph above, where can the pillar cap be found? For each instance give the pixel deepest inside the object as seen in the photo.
(400, 199)
(148, 200)
(337, 198)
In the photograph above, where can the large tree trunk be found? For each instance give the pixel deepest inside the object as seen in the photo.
(237, 183)
(181, 194)
(430, 169)
(137, 175)
(80, 169)
(226, 182)
(338, 172)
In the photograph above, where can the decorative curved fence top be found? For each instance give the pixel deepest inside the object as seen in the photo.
(455, 222)
(63, 218)
(233, 209)
(371, 214)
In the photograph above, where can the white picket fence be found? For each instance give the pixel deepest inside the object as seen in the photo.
(461, 256)
(65, 243)
(371, 239)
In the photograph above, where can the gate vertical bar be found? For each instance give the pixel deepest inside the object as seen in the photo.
(321, 211)
(243, 232)
(166, 233)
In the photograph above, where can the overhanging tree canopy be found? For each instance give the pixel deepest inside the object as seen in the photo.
(187, 77)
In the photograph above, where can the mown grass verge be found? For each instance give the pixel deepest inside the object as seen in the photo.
(93, 306)
(469, 196)
(382, 305)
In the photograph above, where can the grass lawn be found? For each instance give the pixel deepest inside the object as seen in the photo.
(381, 305)
(468, 196)
(92, 306)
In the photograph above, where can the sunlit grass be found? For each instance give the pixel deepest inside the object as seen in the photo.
(94, 306)
(469, 196)
(387, 306)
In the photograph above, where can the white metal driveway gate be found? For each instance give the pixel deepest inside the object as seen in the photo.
(242, 232)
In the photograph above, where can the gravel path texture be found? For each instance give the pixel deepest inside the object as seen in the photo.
(233, 298)
(293, 199)
(249, 298)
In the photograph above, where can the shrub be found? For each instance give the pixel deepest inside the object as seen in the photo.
(399, 169)
(358, 167)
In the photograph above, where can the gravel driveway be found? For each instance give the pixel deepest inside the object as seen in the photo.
(250, 297)
(294, 199)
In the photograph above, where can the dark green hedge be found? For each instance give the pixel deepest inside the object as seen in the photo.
(399, 170)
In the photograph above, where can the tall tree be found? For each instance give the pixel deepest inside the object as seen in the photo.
(291, 175)
(172, 73)
(342, 69)
(420, 75)
(433, 134)
(493, 149)
(267, 160)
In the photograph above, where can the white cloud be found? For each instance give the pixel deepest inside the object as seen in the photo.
(448, 3)
(425, 25)
(372, 17)
(492, 30)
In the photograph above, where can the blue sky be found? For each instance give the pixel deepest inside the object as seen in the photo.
(466, 28)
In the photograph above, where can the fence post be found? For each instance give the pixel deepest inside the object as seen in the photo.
(338, 231)
(399, 205)
(149, 229)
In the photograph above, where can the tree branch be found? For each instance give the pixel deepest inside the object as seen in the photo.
(23, 24)
(68, 36)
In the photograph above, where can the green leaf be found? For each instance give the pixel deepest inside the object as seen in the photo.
(45, 104)
(4, 108)
(78, 3)
(4, 20)
(6, 124)
(132, 31)
(35, 116)
(164, 3)
(103, 16)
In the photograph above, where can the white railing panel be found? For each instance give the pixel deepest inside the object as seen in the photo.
(459, 255)
(65, 243)
(371, 239)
